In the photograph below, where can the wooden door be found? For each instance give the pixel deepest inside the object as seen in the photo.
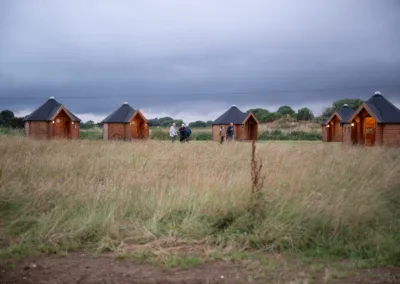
(60, 127)
(252, 131)
(329, 133)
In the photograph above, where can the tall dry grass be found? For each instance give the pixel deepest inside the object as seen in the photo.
(320, 198)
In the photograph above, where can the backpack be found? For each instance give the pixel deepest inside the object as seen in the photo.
(188, 131)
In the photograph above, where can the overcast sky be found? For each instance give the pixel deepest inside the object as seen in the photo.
(194, 59)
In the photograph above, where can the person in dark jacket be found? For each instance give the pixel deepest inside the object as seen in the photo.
(230, 132)
(182, 132)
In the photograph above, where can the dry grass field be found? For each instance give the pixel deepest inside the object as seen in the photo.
(181, 205)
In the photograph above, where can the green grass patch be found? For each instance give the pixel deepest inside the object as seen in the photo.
(293, 135)
(94, 133)
(8, 131)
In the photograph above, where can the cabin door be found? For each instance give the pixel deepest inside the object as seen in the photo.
(329, 133)
(140, 130)
(61, 127)
(252, 131)
(370, 130)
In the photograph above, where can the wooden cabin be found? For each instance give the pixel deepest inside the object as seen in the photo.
(52, 120)
(125, 123)
(245, 124)
(332, 128)
(375, 122)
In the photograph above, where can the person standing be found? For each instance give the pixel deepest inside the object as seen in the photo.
(172, 132)
(222, 134)
(230, 131)
(182, 132)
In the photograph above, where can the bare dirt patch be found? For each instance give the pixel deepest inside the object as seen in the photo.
(85, 269)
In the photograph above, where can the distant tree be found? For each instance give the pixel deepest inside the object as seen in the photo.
(318, 119)
(17, 122)
(164, 122)
(305, 114)
(260, 113)
(209, 123)
(198, 123)
(153, 122)
(272, 116)
(286, 111)
(336, 105)
(5, 117)
(88, 124)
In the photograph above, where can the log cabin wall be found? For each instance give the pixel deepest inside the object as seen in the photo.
(379, 134)
(242, 132)
(39, 129)
(337, 130)
(347, 134)
(391, 135)
(215, 132)
(128, 131)
(116, 131)
(144, 130)
(75, 130)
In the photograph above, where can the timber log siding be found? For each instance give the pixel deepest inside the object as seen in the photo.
(385, 135)
(390, 134)
(46, 130)
(125, 131)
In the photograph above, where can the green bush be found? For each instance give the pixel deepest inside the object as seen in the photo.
(159, 134)
(294, 135)
(11, 131)
(202, 136)
(91, 134)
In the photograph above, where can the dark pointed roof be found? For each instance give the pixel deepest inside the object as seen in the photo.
(46, 112)
(122, 115)
(344, 113)
(234, 115)
(385, 111)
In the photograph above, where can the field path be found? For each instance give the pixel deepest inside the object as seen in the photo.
(82, 269)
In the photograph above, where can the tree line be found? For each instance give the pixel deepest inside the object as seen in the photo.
(7, 118)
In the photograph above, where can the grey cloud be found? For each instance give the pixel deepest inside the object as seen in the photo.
(93, 55)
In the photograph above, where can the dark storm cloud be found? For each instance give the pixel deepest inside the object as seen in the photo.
(93, 55)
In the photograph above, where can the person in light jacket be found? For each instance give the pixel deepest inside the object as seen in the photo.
(172, 132)
(222, 134)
